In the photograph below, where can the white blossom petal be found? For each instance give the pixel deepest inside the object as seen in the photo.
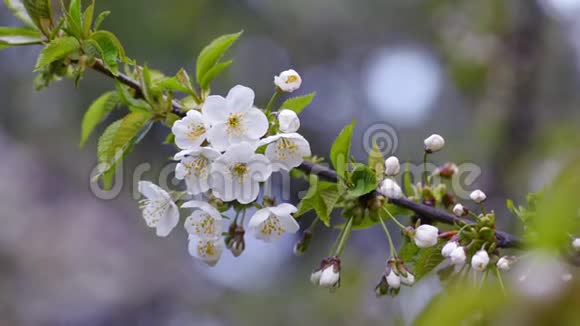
(207, 250)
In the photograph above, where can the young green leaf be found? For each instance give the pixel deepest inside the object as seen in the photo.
(74, 10)
(109, 51)
(427, 260)
(322, 197)
(129, 100)
(376, 159)
(407, 181)
(88, 17)
(340, 151)
(40, 11)
(18, 9)
(19, 36)
(96, 112)
(210, 55)
(57, 49)
(109, 40)
(118, 138)
(363, 180)
(299, 103)
(213, 73)
(100, 18)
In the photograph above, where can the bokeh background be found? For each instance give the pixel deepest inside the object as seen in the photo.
(498, 79)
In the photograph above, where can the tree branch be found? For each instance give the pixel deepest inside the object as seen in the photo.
(505, 240)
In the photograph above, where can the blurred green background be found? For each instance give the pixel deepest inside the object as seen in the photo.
(498, 79)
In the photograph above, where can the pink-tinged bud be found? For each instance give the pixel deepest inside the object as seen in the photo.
(447, 171)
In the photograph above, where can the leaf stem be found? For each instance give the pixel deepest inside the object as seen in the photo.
(344, 237)
(399, 224)
(425, 172)
(272, 101)
(391, 244)
(500, 280)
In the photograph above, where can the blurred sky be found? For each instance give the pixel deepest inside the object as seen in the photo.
(414, 66)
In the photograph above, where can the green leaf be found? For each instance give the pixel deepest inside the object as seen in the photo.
(363, 180)
(408, 250)
(376, 159)
(100, 18)
(427, 260)
(40, 11)
(88, 17)
(340, 151)
(96, 112)
(57, 49)
(299, 103)
(109, 50)
(129, 100)
(322, 197)
(74, 10)
(213, 73)
(210, 55)
(118, 138)
(18, 9)
(19, 36)
(408, 181)
(106, 37)
(173, 84)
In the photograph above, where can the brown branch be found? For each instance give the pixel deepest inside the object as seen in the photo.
(505, 240)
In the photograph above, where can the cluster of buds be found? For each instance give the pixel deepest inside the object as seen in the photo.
(328, 274)
(395, 274)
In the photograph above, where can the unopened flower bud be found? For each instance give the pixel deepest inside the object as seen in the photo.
(393, 280)
(480, 260)
(301, 246)
(448, 248)
(457, 256)
(288, 120)
(382, 288)
(426, 236)
(288, 81)
(505, 263)
(576, 244)
(459, 210)
(235, 241)
(447, 171)
(434, 143)
(315, 277)
(392, 166)
(328, 275)
(478, 196)
(390, 189)
(408, 280)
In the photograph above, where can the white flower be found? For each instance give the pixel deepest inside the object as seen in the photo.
(390, 189)
(194, 168)
(393, 280)
(480, 260)
(234, 119)
(205, 222)
(236, 174)
(159, 210)
(271, 222)
(408, 280)
(478, 196)
(288, 120)
(315, 277)
(458, 210)
(190, 132)
(207, 250)
(576, 244)
(458, 256)
(392, 166)
(288, 81)
(426, 236)
(286, 151)
(434, 143)
(504, 263)
(448, 248)
(330, 276)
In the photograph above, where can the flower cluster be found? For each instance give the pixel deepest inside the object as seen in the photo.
(229, 148)
(395, 274)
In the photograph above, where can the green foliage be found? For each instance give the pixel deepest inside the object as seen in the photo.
(408, 250)
(40, 12)
(408, 181)
(96, 112)
(18, 9)
(322, 197)
(340, 151)
(100, 18)
(109, 40)
(129, 100)
(211, 54)
(213, 73)
(298, 103)
(10, 36)
(376, 159)
(427, 260)
(88, 17)
(57, 49)
(117, 139)
(363, 180)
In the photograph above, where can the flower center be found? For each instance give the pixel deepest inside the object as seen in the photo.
(205, 225)
(153, 210)
(234, 124)
(195, 131)
(284, 148)
(291, 79)
(272, 226)
(198, 166)
(240, 170)
(206, 249)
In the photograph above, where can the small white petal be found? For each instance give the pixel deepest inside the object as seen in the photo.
(392, 166)
(390, 189)
(478, 196)
(480, 260)
(448, 248)
(241, 98)
(393, 280)
(288, 120)
(426, 236)
(329, 277)
(458, 256)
